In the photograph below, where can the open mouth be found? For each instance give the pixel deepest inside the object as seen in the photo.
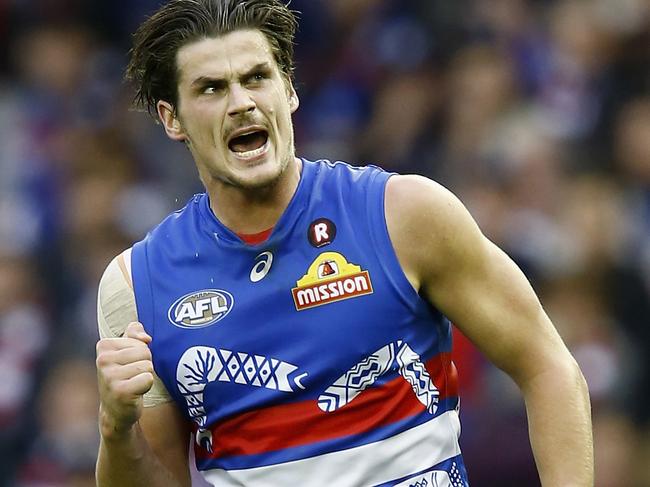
(249, 144)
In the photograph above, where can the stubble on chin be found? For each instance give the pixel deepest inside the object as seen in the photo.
(264, 183)
(260, 185)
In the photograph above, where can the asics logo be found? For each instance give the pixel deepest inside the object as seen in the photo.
(262, 266)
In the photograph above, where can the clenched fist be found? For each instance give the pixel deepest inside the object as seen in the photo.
(125, 373)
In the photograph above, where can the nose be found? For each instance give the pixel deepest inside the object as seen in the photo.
(239, 100)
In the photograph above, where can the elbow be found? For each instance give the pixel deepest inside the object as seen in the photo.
(567, 367)
(559, 372)
(578, 379)
(567, 380)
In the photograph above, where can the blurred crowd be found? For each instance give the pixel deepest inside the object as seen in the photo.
(536, 113)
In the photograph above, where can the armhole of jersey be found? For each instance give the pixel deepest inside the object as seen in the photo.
(382, 242)
(124, 263)
(138, 266)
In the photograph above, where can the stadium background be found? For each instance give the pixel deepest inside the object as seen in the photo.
(535, 112)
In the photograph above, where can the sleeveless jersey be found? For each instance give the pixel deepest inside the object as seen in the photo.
(308, 359)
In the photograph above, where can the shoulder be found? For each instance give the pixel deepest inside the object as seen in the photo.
(188, 216)
(116, 300)
(424, 208)
(411, 194)
(431, 230)
(344, 171)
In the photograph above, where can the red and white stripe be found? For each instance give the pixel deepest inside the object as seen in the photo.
(404, 454)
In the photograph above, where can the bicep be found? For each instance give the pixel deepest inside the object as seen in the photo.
(468, 278)
(168, 434)
(491, 301)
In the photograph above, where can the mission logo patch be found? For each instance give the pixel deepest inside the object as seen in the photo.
(330, 278)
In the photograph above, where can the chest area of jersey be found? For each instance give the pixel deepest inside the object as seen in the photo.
(277, 286)
(259, 302)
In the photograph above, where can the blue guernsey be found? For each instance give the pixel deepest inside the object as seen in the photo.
(308, 359)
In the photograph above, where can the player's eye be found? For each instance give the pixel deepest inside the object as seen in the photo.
(257, 77)
(209, 90)
(213, 87)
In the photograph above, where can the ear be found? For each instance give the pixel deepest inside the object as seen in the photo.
(170, 121)
(294, 101)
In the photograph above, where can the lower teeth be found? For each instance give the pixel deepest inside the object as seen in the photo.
(251, 153)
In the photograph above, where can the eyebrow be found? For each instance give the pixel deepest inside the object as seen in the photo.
(221, 82)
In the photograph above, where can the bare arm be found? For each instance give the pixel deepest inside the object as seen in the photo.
(139, 446)
(475, 284)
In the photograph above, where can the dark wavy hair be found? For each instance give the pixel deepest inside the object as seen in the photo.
(152, 67)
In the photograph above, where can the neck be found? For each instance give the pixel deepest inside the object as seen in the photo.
(248, 211)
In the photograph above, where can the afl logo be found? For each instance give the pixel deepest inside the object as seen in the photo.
(201, 308)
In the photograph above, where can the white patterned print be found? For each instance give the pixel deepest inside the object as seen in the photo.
(357, 379)
(413, 370)
(201, 365)
(394, 356)
(436, 478)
